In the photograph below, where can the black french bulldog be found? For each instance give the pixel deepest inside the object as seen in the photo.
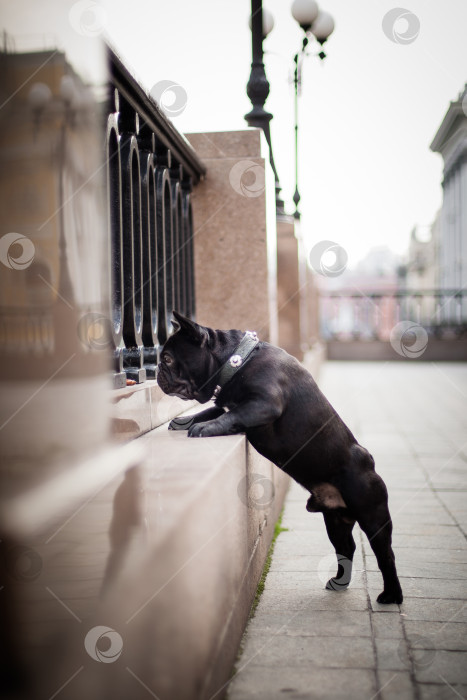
(272, 398)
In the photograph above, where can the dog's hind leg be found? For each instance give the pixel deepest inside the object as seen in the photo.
(377, 526)
(376, 523)
(339, 531)
(366, 495)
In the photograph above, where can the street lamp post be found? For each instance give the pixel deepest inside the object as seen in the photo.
(315, 23)
(320, 25)
(258, 86)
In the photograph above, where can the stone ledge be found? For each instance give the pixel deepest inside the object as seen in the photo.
(209, 538)
(141, 408)
(166, 548)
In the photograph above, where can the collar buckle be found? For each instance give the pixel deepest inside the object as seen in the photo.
(238, 359)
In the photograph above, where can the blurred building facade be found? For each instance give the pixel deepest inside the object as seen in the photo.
(451, 142)
(425, 291)
(359, 303)
(421, 271)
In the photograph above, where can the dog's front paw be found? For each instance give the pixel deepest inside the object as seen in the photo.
(388, 597)
(202, 430)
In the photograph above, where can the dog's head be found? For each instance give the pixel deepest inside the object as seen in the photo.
(188, 367)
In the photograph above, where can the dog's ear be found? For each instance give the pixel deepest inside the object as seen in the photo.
(193, 330)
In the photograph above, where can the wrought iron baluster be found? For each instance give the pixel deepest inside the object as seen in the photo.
(183, 255)
(151, 172)
(458, 302)
(132, 259)
(377, 325)
(114, 203)
(189, 254)
(187, 262)
(164, 251)
(149, 253)
(175, 178)
(356, 322)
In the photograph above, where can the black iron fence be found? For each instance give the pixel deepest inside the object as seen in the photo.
(350, 315)
(151, 172)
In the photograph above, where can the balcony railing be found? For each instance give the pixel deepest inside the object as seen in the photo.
(350, 315)
(151, 172)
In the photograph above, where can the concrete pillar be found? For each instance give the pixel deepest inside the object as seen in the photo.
(232, 275)
(297, 293)
(288, 288)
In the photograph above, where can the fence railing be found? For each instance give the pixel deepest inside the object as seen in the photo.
(350, 315)
(151, 172)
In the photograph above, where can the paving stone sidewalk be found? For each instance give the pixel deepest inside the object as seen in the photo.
(306, 642)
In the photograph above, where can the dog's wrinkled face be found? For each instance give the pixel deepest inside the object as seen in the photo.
(187, 368)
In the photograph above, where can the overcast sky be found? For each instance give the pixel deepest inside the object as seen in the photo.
(367, 114)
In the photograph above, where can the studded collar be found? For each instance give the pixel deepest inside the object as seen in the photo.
(238, 359)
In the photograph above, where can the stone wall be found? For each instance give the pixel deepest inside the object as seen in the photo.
(231, 238)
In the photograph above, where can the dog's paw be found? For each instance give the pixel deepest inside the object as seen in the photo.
(206, 429)
(337, 584)
(390, 597)
(196, 430)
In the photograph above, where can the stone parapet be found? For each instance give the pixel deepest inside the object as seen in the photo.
(233, 288)
(165, 550)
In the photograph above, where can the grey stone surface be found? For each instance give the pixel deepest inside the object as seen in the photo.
(421, 587)
(396, 685)
(450, 636)
(387, 626)
(448, 665)
(435, 610)
(329, 652)
(444, 691)
(306, 642)
(315, 623)
(310, 683)
(392, 654)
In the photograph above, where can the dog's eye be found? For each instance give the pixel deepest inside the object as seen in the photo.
(167, 359)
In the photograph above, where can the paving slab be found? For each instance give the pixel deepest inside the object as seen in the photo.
(394, 685)
(307, 642)
(442, 691)
(315, 623)
(437, 635)
(329, 652)
(312, 684)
